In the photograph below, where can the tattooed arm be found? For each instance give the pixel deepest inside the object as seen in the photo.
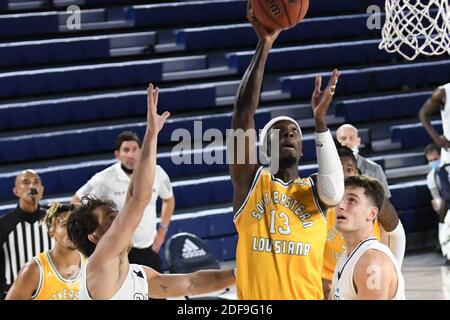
(176, 285)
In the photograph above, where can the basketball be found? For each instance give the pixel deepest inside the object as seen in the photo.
(279, 14)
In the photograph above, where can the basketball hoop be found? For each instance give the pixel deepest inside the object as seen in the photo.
(415, 27)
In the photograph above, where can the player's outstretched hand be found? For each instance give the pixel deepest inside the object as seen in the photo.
(321, 100)
(155, 122)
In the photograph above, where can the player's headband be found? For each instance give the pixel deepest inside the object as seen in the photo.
(265, 132)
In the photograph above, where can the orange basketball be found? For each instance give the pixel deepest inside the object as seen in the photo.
(279, 14)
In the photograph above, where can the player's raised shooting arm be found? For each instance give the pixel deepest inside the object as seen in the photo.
(118, 237)
(176, 285)
(243, 162)
(329, 181)
(243, 154)
(430, 107)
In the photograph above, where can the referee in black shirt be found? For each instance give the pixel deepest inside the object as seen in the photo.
(21, 235)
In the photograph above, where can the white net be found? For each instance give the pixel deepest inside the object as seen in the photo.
(415, 27)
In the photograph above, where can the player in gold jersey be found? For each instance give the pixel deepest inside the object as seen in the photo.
(335, 244)
(279, 216)
(53, 274)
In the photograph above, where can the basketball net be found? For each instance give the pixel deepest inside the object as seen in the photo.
(413, 28)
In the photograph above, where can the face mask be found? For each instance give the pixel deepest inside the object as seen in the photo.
(127, 171)
(435, 164)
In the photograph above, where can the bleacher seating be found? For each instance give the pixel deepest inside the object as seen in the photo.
(178, 13)
(54, 80)
(101, 106)
(381, 108)
(35, 52)
(201, 12)
(238, 35)
(374, 79)
(28, 53)
(28, 24)
(303, 57)
(414, 135)
(412, 201)
(101, 139)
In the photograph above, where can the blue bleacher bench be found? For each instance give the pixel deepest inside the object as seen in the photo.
(413, 135)
(78, 78)
(372, 79)
(28, 23)
(239, 35)
(313, 56)
(101, 106)
(381, 108)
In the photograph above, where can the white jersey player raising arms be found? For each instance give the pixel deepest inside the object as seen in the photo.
(105, 237)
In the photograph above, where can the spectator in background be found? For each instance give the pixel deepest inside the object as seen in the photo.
(112, 183)
(21, 235)
(440, 205)
(394, 234)
(348, 136)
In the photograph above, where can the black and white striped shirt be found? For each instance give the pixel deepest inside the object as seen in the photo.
(21, 238)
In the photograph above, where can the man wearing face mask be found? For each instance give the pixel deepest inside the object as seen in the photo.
(433, 154)
(392, 231)
(21, 235)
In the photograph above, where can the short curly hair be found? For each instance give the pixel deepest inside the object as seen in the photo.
(57, 210)
(82, 222)
(373, 189)
(344, 151)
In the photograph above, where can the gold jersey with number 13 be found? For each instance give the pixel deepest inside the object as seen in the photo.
(282, 233)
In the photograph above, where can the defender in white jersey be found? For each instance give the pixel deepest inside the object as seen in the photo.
(367, 270)
(135, 286)
(439, 99)
(105, 237)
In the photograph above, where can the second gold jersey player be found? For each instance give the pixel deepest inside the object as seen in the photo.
(53, 274)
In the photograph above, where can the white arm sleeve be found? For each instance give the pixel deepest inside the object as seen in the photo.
(330, 177)
(396, 241)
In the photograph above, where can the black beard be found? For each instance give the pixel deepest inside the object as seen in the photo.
(127, 171)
